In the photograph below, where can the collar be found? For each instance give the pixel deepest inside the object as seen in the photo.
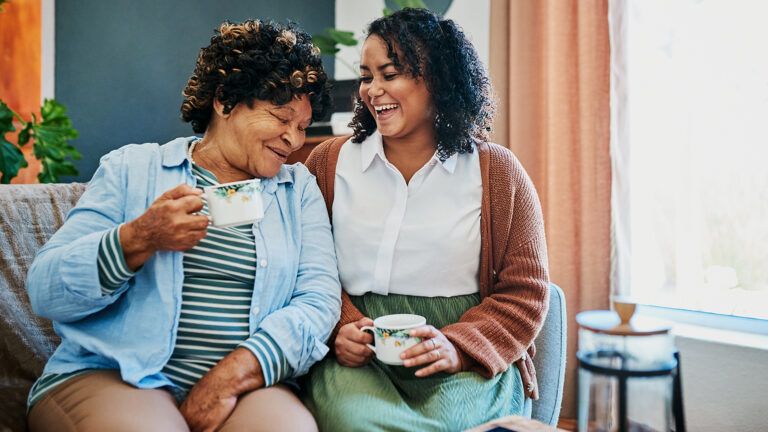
(174, 153)
(449, 165)
(374, 146)
(371, 147)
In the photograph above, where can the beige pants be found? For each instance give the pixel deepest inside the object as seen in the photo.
(101, 401)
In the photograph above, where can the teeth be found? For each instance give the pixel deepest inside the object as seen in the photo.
(381, 108)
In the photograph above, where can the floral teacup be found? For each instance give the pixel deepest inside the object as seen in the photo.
(391, 334)
(235, 203)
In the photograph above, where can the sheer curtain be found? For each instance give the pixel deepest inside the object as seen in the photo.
(690, 102)
(550, 65)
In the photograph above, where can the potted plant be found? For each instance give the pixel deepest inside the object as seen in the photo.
(50, 137)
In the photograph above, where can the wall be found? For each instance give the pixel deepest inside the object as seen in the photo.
(20, 59)
(121, 65)
(725, 385)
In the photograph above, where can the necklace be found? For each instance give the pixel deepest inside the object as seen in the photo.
(192, 149)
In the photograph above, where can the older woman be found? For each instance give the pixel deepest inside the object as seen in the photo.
(429, 218)
(154, 306)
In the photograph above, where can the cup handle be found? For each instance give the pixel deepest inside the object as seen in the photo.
(369, 329)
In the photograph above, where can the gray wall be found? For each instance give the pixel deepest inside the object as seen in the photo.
(725, 386)
(121, 65)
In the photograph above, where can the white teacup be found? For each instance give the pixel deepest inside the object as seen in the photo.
(235, 203)
(391, 335)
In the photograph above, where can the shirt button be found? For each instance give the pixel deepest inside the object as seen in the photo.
(255, 310)
(263, 263)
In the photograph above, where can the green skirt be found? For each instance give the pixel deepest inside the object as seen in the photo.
(379, 397)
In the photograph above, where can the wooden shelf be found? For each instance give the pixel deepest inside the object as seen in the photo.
(310, 143)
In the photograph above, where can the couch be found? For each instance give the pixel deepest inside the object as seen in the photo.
(30, 214)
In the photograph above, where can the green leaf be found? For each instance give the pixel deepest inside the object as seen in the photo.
(342, 37)
(325, 43)
(417, 4)
(53, 169)
(24, 135)
(11, 158)
(330, 38)
(52, 148)
(6, 119)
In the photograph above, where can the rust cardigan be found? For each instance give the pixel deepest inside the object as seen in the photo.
(513, 266)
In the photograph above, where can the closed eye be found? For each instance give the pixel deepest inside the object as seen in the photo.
(281, 119)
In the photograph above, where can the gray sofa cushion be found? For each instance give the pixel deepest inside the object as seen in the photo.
(29, 215)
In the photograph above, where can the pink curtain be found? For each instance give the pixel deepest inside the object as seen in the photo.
(550, 66)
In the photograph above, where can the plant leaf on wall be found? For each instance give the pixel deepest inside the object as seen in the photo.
(416, 4)
(325, 43)
(331, 37)
(342, 37)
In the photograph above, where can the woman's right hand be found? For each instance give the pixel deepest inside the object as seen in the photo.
(170, 223)
(350, 345)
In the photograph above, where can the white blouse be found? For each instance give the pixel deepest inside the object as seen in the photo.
(420, 238)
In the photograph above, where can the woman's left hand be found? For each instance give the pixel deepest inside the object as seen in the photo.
(207, 406)
(212, 400)
(434, 350)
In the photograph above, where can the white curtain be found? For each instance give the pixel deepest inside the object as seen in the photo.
(689, 145)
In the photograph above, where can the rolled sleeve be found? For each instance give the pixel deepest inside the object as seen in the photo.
(274, 366)
(113, 270)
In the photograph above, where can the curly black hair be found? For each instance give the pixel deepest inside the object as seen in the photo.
(255, 60)
(436, 50)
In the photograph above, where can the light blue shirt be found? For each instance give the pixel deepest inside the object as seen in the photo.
(296, 298)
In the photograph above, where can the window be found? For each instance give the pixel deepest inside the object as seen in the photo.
(690, 154)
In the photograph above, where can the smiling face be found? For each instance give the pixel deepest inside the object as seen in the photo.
(257, 140)
(400, 103)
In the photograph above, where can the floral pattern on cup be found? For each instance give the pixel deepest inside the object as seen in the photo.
(395, 337)
(236, 203)
(244, 192)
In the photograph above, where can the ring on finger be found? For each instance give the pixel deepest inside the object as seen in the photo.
(436, 353)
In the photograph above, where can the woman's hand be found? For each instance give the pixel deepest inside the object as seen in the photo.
(435, 350)
(205, 408)
(170, 223)
(212, 400)
(350, 345)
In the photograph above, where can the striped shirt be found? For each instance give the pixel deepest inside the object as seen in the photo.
(219, 275)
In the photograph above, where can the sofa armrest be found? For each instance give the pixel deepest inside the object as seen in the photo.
(29, 215)
(550, 360)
